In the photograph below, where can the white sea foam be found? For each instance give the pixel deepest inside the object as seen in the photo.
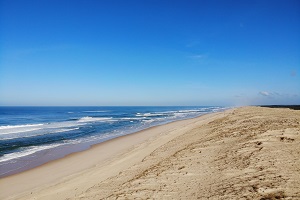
(180, 115)
(148, 121)
(30, 130)
(171, 113)
(149, 114)
(131, 118)
(18, 126)
(9, 129)
(92, 119)
(35, 133)
(29, 151)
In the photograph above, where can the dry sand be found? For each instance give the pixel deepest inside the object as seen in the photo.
(244, 153)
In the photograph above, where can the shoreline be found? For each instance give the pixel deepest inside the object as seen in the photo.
(241, 153)
(45, 156)
(109, 153)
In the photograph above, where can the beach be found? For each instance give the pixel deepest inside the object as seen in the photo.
(241, 153)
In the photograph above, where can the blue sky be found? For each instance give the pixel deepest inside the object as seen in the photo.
(151, 52)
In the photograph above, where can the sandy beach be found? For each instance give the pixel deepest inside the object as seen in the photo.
(241, 153)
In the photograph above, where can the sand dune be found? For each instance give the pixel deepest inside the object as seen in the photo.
(243, 153)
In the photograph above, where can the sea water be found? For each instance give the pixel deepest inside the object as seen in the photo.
(31, 136)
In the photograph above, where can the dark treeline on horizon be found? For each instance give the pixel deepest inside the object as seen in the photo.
(294, 107)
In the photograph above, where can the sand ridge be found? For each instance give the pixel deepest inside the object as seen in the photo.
(243, 153)
(253, 153)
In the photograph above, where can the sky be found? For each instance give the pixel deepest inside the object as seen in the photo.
(149, 52)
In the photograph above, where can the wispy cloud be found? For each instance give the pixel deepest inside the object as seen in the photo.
(276, 94)
(271, 94)
(199, 56)
(265, 93)
(267, 97)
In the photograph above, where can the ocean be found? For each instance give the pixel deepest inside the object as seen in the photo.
(31, 136)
